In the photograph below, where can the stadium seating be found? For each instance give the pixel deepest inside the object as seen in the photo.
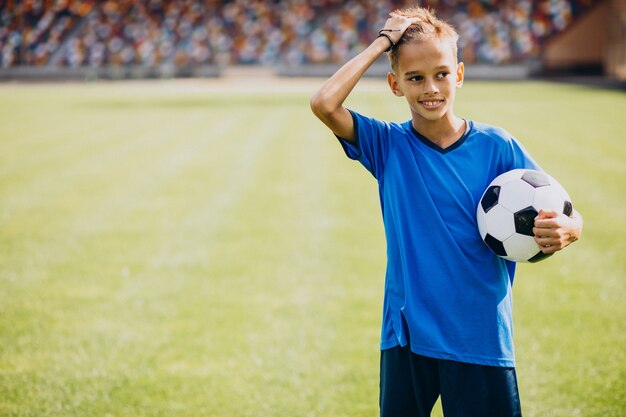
(87, 33)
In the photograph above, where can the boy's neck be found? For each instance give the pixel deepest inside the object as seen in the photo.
(443, 132)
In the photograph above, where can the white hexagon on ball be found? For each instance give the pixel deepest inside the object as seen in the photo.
(548, 200)
(500, 223)
(516, 195)
(524, 247)
(512, 175)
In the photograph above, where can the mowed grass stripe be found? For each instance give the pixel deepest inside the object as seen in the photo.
(282, 305)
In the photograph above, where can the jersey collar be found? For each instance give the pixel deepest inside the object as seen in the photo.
(434, 146)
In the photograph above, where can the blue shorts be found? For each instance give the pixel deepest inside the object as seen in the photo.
(410, 385)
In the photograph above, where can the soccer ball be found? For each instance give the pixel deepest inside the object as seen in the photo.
(507, 210)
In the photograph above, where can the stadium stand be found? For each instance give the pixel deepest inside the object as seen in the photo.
(187, 34)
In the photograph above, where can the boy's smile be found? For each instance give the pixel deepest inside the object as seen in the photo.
(431, 104)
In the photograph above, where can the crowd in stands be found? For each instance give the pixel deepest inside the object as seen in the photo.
(93, 33)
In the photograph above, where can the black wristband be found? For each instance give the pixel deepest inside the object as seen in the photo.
(391, 44)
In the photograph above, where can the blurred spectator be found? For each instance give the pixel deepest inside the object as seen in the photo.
(31, 31)
(186, 32)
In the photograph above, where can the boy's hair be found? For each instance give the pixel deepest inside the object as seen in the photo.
(427, 27)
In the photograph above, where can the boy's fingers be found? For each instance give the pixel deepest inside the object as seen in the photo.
(402, 19)
(546, 214)
(545, 232)
(547, 220)
(545, 224)
(548, 245)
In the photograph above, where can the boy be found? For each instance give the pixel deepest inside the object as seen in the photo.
(447, 325)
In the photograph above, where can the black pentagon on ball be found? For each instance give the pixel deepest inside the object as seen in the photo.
(568, 208)
(525, 221)
(540, 257)
(536, 179)
(490, 198)
(495, 245)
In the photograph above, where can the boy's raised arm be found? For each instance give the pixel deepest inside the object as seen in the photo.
(327, 103)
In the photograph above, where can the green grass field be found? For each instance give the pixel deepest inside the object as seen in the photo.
(175, 249)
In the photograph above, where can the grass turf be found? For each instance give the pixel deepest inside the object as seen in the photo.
(201, 253)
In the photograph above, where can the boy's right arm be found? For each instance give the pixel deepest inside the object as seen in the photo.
(327, 103)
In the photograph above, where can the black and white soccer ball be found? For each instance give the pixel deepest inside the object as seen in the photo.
(507, 210)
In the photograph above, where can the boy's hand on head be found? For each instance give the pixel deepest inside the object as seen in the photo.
(554, 231)
(396, 25)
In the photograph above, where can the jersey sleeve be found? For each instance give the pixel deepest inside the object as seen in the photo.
(519, 156)
(372, 143)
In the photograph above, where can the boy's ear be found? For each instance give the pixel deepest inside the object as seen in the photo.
(460, 74)
(393, 84)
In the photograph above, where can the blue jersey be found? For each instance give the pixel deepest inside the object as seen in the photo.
(443, 285)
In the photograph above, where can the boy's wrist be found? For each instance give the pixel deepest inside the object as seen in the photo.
(386, 33)
(382, 34)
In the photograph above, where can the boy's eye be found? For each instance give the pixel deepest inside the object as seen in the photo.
(440, 75)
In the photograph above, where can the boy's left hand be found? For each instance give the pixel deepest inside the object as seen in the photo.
(554, 231)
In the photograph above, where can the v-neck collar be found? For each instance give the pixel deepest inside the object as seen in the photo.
(434, 146)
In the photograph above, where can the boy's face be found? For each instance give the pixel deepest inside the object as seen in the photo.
(427, 75)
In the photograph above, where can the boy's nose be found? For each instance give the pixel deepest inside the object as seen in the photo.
(431, 87)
